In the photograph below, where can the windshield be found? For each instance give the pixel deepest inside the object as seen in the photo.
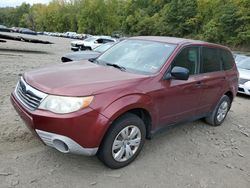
(103, 47)
(244, 64)
(90, 39)
(146, 57)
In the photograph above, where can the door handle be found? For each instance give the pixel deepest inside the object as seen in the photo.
(198, 84)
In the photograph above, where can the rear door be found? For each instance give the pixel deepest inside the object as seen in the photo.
(230, 70)
(213, 78)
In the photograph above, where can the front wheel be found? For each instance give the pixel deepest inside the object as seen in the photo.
(123, 141)
(220, 112)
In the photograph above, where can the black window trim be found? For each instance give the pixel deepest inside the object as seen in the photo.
(167, 73)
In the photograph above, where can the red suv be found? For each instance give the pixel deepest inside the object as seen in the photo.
(109, 105)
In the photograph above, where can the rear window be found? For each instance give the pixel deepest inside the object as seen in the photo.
(210, 60)
(227, 59)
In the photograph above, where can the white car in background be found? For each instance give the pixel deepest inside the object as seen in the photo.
(70, 34)
(90, 43)
(239, 57)
(244, 76)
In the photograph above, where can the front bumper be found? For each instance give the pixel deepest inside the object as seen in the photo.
(64, 144)
(81, 131)
(244, 89)
(75, 48)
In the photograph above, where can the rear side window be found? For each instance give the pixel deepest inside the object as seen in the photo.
(210, 60)
(227, 59)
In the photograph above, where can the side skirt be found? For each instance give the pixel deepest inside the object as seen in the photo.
(179, 123)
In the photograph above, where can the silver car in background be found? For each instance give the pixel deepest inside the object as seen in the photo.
(91, 42)
(244, 76)
(88, 54)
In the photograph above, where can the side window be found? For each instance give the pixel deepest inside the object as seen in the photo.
(99, 41)
(227, 59)
(188, 58)
(210, 61)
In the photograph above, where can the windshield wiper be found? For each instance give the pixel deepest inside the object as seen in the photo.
(93, 60)
(116, 66)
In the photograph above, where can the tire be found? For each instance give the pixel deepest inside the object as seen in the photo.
(81, 48)
(220, 112)
(125, 150)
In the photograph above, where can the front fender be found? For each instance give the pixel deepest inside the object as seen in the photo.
(129, 102)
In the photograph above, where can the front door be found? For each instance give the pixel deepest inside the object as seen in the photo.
(179, 99)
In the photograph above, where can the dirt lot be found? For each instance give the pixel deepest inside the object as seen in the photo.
(191, 155)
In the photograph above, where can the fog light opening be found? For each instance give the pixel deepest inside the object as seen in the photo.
(61, 146)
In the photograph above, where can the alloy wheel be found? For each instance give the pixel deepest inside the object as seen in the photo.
(126, 143)
(222, 111)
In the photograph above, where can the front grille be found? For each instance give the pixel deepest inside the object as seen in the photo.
(243, 81)
(28, 95)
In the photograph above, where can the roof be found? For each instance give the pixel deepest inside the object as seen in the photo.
(172, 40)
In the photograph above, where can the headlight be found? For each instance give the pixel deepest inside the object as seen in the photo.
(63, 105)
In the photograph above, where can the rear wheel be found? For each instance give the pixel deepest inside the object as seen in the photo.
(123, 141)
(220, 112)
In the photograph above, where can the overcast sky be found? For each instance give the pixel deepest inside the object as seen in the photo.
(14, 3)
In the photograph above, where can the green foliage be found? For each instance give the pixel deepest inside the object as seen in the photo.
(220, 21)
(98, 17)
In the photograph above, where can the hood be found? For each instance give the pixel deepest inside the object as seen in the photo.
(78, 78)
(244, 73)
(82, 55)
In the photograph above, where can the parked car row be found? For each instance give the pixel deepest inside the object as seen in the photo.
(27, 31)
(72, 35)
(23, 30)
(68, 34)
(3, 28)
(17, 30)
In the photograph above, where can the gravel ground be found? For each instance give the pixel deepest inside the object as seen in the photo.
(190, 155)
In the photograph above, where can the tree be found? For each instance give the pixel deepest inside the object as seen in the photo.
(220, 21)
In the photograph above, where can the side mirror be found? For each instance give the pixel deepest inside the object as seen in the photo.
(180, 73)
